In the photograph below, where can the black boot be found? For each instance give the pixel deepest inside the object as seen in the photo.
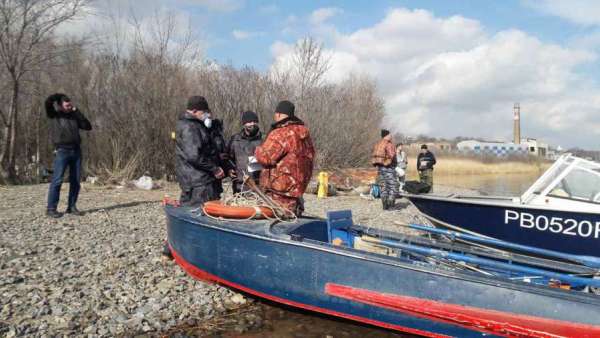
(384, 202)
(391, 202)
(74, 211)
(53, 213)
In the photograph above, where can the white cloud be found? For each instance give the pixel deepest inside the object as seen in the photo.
(244, 35)
(447, 77)
(214, 5)
(321, 15)
(583, 12)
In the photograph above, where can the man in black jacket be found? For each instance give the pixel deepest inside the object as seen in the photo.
(198, 151)
(241, 151)
(425, 163)
(64, 123)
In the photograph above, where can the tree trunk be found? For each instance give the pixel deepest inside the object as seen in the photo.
(12, 154)
(7, 153)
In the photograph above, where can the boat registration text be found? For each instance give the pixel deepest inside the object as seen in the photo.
(557, 225)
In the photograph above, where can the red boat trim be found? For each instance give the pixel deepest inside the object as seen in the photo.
(203, 275)
(484, 320)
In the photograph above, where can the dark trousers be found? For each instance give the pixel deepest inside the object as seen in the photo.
(196, 196)
(71, 158)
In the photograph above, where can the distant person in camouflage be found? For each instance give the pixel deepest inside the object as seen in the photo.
(287, 157)
(384, 158)
(425, 163)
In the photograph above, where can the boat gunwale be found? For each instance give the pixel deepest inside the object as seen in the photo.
(587, 298)
(473, 200)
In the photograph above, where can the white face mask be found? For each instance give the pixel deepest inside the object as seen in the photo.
(208, 122)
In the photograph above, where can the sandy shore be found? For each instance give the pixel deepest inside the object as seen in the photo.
(101, 274)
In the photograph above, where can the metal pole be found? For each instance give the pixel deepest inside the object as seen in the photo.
(589, 261)
(485, 262)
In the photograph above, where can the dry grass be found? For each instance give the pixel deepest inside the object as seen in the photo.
(467, 166)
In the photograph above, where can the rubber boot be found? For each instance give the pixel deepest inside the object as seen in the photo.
(384, 202)
(391, 202)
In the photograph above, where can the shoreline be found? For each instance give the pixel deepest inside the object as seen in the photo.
(102, 274)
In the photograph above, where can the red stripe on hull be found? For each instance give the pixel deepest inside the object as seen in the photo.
(484, 320)
(203, 275)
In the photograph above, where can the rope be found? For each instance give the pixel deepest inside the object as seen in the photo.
(253, 200)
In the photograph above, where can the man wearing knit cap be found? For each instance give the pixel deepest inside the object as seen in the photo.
(287, 157)
(425, 162)
(198, 162)
(241, 151)
(384, 158)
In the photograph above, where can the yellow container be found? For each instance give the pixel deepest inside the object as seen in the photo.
(173, 137)
(323, 184)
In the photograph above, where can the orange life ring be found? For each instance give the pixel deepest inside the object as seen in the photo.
(218, 209)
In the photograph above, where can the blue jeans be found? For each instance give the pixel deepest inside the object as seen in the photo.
(65, 157)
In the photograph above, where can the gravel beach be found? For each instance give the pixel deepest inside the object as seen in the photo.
(102, 274)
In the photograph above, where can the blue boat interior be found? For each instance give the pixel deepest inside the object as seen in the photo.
(336, 226)
(339, 231)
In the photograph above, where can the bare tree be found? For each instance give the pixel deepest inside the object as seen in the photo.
(310, 65)
(26, 27)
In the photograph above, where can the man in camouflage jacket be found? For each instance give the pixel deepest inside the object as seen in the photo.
(384, 158)
(287, 158)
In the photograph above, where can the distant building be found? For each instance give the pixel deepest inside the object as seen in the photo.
(492, 148)
(535, 147)
(433, 146)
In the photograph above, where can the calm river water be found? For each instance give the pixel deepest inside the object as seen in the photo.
(500, 185)
(295, 323)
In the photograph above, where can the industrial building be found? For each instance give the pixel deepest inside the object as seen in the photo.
(519, 146)
(492, 148)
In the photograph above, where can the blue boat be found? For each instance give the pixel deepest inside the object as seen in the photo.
(560, 211)
(410, 284)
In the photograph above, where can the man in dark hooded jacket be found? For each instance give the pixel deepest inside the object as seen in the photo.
(241, 151)
(64, 123)
(199, 150)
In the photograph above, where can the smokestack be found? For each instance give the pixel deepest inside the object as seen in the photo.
(517, 124)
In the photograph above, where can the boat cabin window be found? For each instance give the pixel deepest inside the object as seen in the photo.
(580, 184)
(551, 177)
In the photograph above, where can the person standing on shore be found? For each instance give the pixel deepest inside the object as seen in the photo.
(198, 155)
(241, 151)
(425, 162)
(64, 122)
(287, 157)
(384, 158)
(402, 164)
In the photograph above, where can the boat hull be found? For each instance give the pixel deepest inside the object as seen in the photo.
(371, 288)
(575, 233)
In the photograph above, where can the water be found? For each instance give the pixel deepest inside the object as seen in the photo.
(497, 184)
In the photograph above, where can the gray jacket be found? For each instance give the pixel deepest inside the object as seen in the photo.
(240, 147)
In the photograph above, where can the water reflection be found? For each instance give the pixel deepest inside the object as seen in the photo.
(499, 185)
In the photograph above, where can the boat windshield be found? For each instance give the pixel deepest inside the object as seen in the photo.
(573, 178)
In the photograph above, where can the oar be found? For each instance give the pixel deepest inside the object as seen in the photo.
(485, 262)
(589, 261)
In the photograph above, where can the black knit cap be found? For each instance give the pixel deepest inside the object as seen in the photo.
(249, 116)
(423, 146)
(384, 133)
(197, 103)
(285, 107)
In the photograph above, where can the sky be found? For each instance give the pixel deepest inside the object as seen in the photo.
(444, 68)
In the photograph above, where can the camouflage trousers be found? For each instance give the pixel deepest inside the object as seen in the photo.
(426, 176)
(388, 181)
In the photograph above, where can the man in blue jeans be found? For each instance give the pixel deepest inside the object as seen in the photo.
(64, 123)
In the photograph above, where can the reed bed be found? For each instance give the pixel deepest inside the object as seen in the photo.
(468, 166)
